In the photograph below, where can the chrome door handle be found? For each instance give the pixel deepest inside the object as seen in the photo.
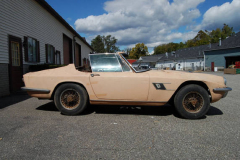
(92, 75)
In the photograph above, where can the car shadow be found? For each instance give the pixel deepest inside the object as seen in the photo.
(13, 99)
(134, 110)
(50, 106)
(213, 111)
(165, 110)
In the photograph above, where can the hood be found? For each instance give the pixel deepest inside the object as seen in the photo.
(186, 76)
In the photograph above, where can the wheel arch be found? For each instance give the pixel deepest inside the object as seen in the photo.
(72, 82)
(200, 83)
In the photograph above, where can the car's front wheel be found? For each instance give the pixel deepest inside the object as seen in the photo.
(70, 99)
(192, 101)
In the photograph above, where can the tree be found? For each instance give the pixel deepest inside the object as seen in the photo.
(139, 50)
(161, 49)
(227, 31)
(110, 44)
(127, 51)
(215, 35)
(97, 44)
(202, 38)
(102, 44)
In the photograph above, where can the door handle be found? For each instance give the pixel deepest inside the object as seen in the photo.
(92, 75)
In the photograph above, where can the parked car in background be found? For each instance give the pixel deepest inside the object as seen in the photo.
(111, 80)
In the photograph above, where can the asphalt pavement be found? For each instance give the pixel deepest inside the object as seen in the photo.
(34, 129)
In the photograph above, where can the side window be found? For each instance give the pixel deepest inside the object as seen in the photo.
(124, 65)
(105, 63)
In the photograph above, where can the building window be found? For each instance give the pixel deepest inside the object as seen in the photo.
(15, 54)
(32, 50)
(50, 54)
(57, 57)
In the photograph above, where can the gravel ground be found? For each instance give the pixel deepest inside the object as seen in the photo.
(34, 129)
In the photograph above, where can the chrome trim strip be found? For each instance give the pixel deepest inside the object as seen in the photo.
(129, 101)
(222, 89)
(35, 90)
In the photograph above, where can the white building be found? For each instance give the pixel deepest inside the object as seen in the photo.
(32, 32)
(183, 59)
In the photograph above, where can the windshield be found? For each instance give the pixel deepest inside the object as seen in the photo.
(136, 69)
(105, 63)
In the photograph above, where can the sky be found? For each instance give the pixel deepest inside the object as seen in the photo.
(152, 22)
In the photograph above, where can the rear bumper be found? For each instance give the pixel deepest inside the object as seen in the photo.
(226, 90)
(35, 90)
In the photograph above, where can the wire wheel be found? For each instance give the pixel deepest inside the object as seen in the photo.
(70, 99)
(193, 102)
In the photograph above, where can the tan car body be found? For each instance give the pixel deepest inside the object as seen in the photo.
(121, 88)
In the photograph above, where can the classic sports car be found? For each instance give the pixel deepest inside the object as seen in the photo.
(111, 80)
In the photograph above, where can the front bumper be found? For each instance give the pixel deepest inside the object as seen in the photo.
(35, 90)
(226, 90)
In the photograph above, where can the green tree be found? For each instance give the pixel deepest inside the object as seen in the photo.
(110, 44)
(202, 38)
(127, 51)
(97, 44)
(215, 35)
(161, 49)
(102, 44)
(139, 50)
(227, 31)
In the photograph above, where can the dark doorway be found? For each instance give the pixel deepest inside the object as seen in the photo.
(67, 50)
(78, 55)
(212, 66)
(231, 60)
(15, 63)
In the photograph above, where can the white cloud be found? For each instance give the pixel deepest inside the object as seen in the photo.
(188, 35)
(137, 21)
(216, 16)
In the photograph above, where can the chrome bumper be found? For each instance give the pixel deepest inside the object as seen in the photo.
(35, 90)
(222, 90)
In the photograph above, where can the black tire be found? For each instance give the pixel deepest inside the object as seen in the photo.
(70, 99)
(192, 101)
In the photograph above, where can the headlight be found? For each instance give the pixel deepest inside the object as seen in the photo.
(225, 81)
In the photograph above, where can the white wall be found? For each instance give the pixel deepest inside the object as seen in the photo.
(164, 64)
(198, 64)
(184, 64)
(27, 18)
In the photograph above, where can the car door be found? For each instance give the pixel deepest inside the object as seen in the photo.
(112, 81)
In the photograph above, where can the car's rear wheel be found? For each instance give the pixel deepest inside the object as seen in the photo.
(70, 99)
(192, 101)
